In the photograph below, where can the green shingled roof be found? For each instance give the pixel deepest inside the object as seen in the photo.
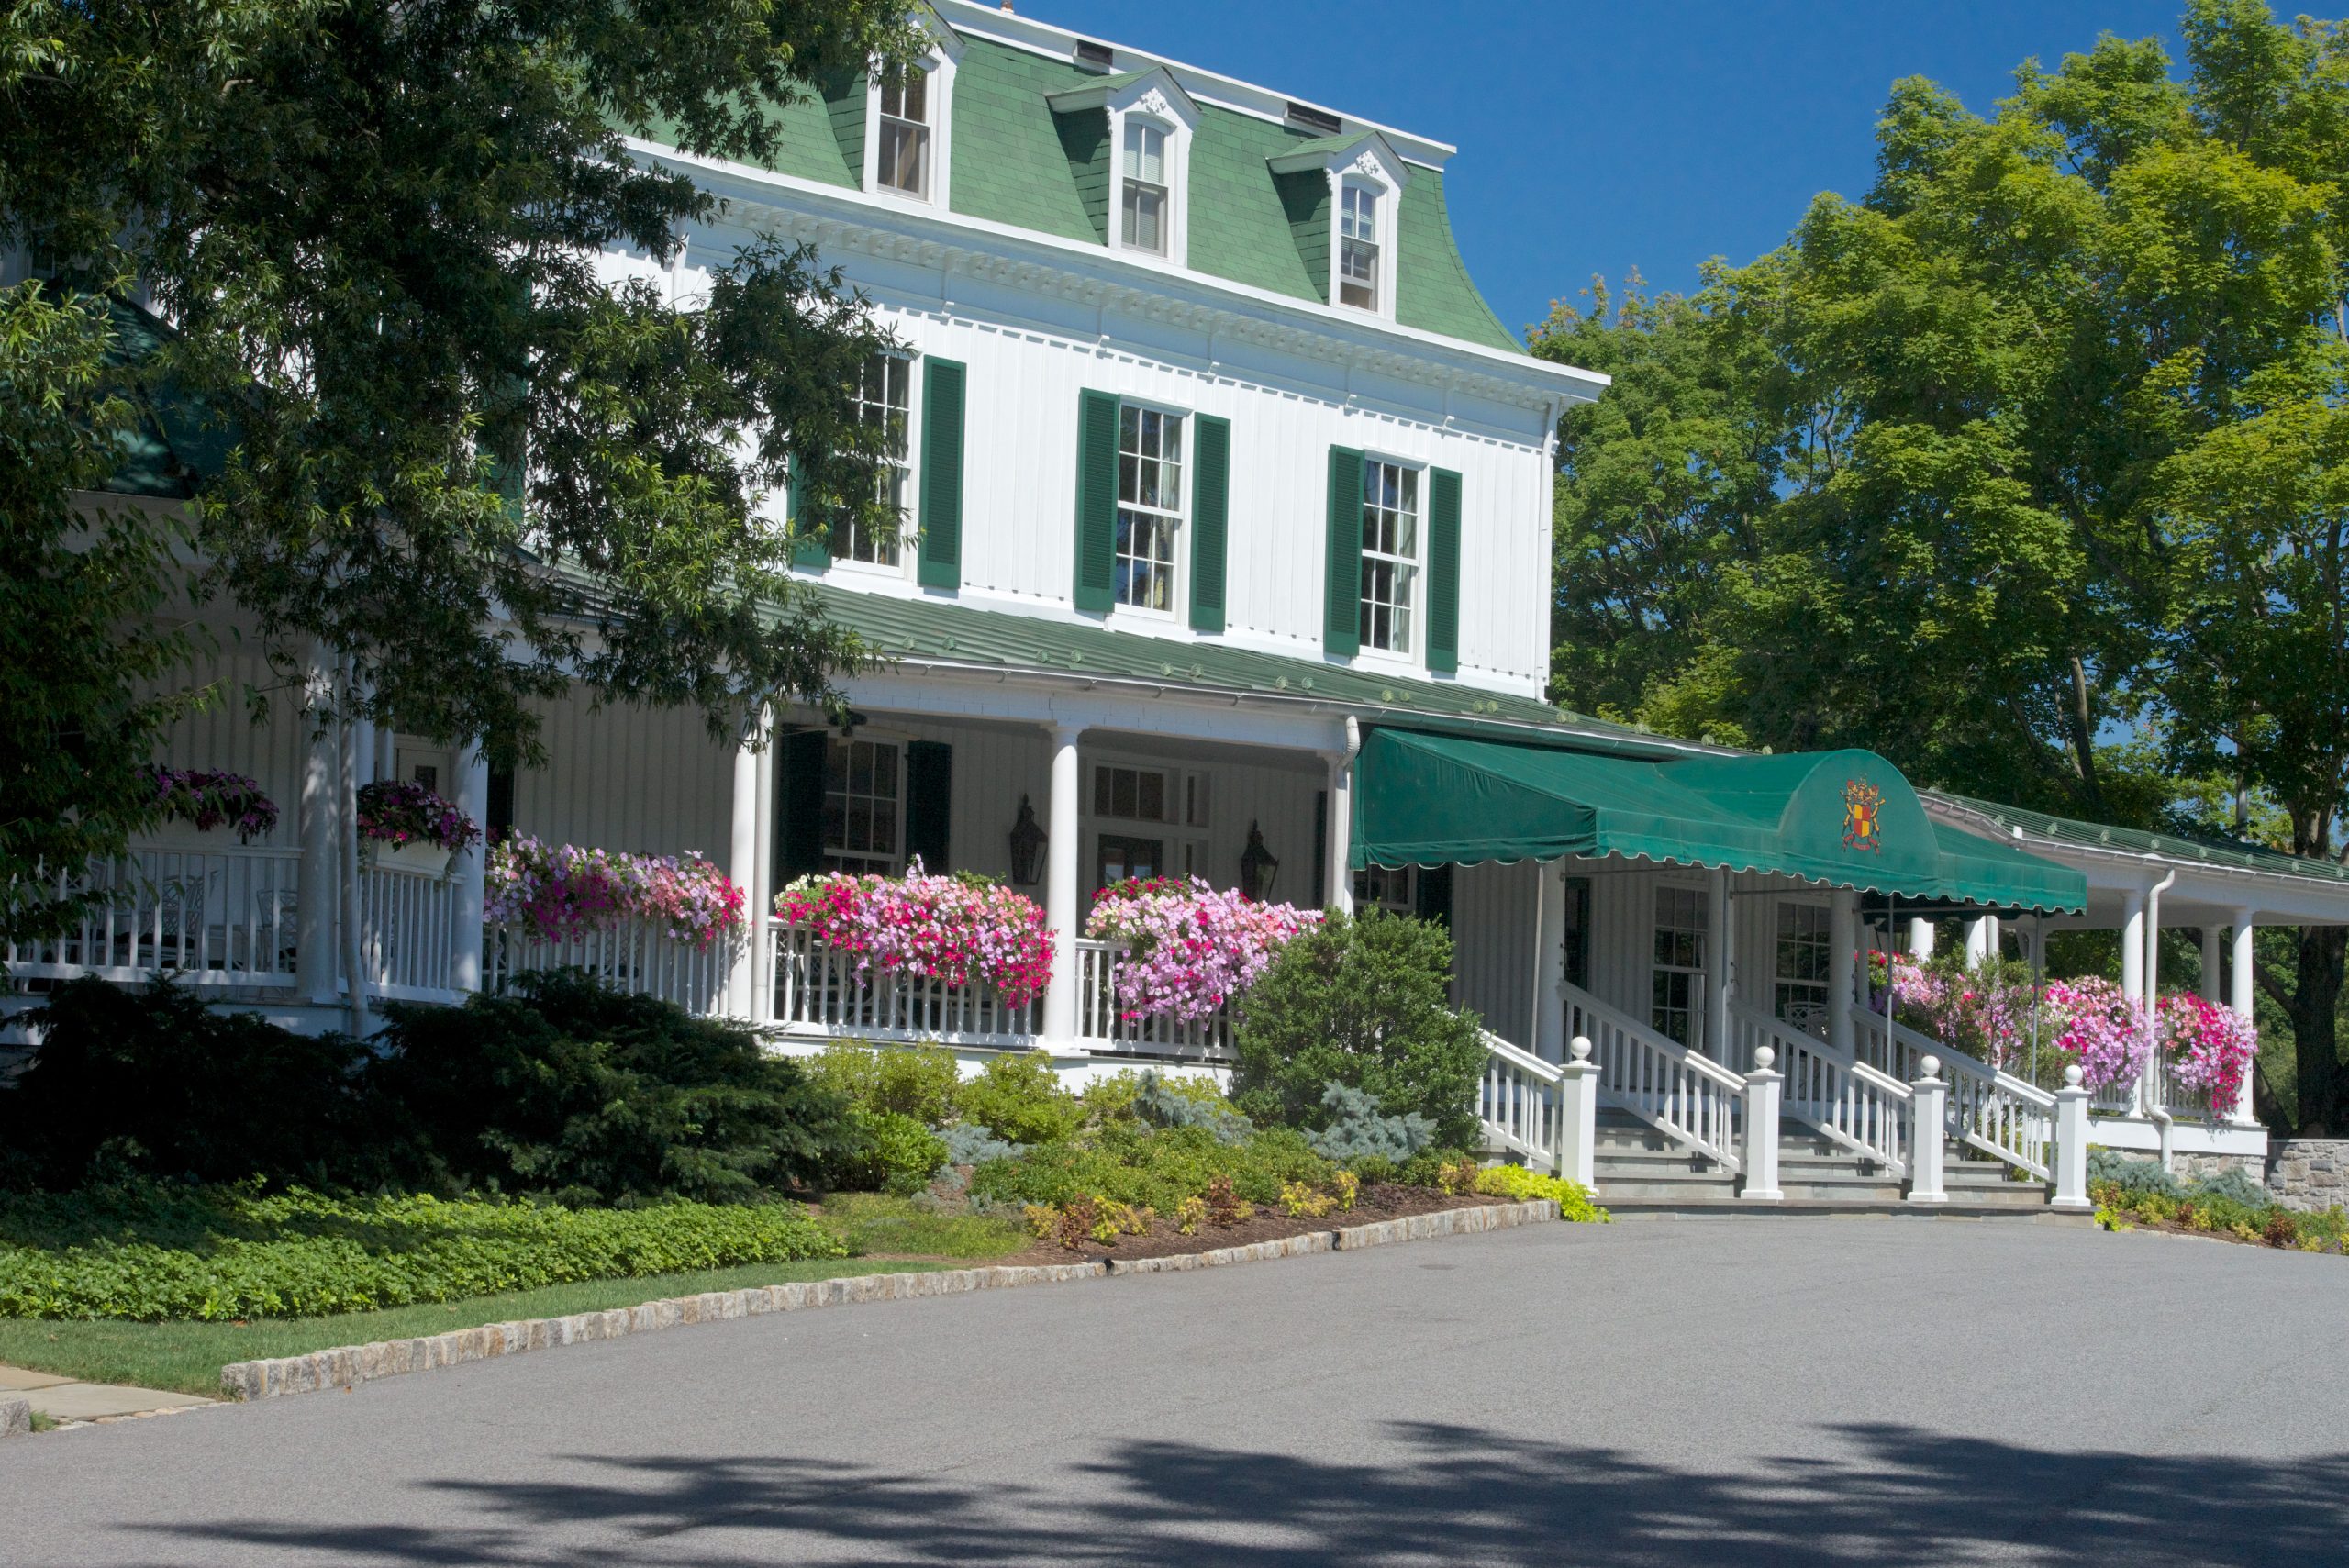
(2231, 853)
(1012, 164)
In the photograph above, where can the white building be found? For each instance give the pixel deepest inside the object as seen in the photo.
(1227, 509)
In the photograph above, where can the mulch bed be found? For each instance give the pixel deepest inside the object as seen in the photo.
(1384, 1201)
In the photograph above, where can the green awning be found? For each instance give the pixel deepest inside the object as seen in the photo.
(1844, 818)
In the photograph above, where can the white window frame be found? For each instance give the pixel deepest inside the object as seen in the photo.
(1154, 100)
(908, 468)
(937, 63)
(1132, 129)
(1780, 981)
(1178, 578)
(1415, 654)
(866, 861)
(1699, 975)
(1354, 191)
(1394, 889)
(1185, 830)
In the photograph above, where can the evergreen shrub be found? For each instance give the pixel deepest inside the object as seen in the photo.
(923, 1082)
(1018, 1099)
(1361, 1001)
(1358, 1134)
(1137, 1164)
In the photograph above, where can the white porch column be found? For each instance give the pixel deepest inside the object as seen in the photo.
(2071, 1144)
(1577, 1150)
(1843, 966)
(2212, 963)
(741, 863)
(473, 866)
(316, 887)
(761, 883)
(1339, 890)
(1928, 1125)
(1550, 963)
(2132, 943)
(1721, 965)
(1059, 888)
(1762, 1090)
(2243, 983)
(1921, 938)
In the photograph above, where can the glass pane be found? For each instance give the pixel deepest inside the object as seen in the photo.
(1154, 797)
(885, 771)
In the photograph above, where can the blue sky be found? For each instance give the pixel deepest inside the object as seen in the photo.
(1597, 139)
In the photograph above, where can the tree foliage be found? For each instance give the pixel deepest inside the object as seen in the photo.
(2024, 469)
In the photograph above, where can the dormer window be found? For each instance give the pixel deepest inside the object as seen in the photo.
(1144, 204)
(1358, 245)
(902, 156)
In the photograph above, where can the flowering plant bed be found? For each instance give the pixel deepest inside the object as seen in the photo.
(1142, 1234)
(1988, 1014)
(1189, 948)
(2208, 1050)
(957, 931)
(209, 798)
(399, 813)
(557, 893)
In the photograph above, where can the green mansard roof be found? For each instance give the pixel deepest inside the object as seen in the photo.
(1011, 165)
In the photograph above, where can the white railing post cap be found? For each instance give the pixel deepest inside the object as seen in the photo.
(2072, 1077)
(1928, 1069)
(1763, 1058)
(1578, 1048)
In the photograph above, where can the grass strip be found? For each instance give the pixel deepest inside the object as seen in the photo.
(189, 1356)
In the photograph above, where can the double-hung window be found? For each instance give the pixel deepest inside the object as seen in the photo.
(884, 402)
(902, 160)
(1142, 222)
(864, 805)
(1677, 1009)
(1150, 505)
(1390, 553)
(1802, 967)
(1358, 246)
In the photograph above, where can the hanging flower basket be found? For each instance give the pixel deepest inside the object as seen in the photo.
(1189, 948)
(2207, 1050)
(206, 798)
(397, 816)
(955, 929)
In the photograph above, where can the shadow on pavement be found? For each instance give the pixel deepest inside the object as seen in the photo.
(1887, 1495)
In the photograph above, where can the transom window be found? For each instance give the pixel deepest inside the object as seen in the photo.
(1390, 553)
(883, 395)
(1801, 981)
(903, 157)
(1358, 247)
(1392, 888)
(1150, 505)
(1677, 1010)
(1143, 207)
(1132, 795)
(863, 805)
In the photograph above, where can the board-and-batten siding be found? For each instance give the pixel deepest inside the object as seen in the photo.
(223, 735)
(1493, 947)
(645, 780)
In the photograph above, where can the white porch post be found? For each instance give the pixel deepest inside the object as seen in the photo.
(1059, 888)
(1928, 1110)
(2212, 963)
(1549, 962)
(1339, 892)
(1762, 1090)
(1722, 965)
(2243, 983)
(1842, 967)
(473, 866)
(2071, 1142)
(317, 886)
(1921, 938)
(761, 883)
(1981, 940)
(741, 863)
(1578, 1115)
(2132, 943)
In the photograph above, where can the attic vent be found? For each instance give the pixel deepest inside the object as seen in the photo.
(1321, 122)
(1099, 56)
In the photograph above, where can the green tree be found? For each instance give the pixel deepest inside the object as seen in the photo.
(455, 452)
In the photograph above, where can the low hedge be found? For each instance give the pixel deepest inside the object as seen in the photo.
(158, 1253)
(1135, 1163)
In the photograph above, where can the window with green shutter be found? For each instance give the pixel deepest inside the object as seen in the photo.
(1443, 571)
(1097, 502)
(1211, 515)
(941, 562)
(1342, 632)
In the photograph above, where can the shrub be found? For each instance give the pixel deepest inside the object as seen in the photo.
(1222, 1202)
(1162, 1104)
(1518, 1184)
(1428, 1167)
(1135, 1163)
(577, 1091)
(1346, 1187)
(1359, 1001)
(967, 1144)
(1018, 1099)
(896, 1156)
(2133, 1177)
(920, 1080)
(1190, 1215)
(2281, 1228)
(149, 1081)
(2235, 1185)
(155, 1252)
(1371, 1169)
(1358, 1133)
(1301, 1202)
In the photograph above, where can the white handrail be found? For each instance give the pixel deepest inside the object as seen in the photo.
(636, 955)
(1101, 1022)
(1690, 1098)
(819, 989)
(1849, 1102)
(1515, 1098)
(1995, 1112)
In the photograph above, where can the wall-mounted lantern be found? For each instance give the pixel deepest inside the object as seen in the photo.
(1027, 845)
(1259, 868)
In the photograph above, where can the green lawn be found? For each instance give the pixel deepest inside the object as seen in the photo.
(894, 1226)
(189, 1356)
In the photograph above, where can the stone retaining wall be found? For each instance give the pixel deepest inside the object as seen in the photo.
(2308, 1173)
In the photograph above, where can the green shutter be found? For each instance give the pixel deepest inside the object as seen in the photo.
(1434, 899)
(1211, 509)
(1342, 622)
(941, 564)
(1097, 501)
(1443, 571)
(930, 798)
(799, 804)
(813, 550)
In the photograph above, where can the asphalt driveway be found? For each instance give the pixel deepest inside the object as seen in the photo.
(1703, 1392)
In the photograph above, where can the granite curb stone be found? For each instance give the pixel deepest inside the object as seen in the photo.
(346, 1365)
(15, 1418)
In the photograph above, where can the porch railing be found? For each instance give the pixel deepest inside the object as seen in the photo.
(1100, 1021)
(818, 990)
(1517, 1100)
(407, 926)
(1994, 1112)
(1688, 1098)
(210, 918)
(1849, 1102)
(637, 956)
